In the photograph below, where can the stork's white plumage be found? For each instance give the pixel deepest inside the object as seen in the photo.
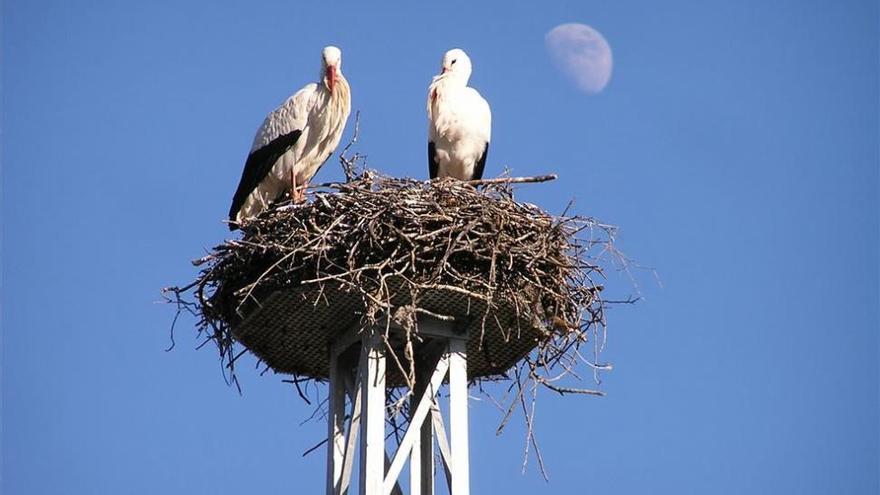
(459, 122)
(294, 141)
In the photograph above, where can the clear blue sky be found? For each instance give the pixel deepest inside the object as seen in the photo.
(736, 146)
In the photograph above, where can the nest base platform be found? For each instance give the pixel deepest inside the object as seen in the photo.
(293, 330)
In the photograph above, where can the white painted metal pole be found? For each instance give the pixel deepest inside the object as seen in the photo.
(354, 428)
(415, 464)
(335, 425)
(426, 464)
(372, 472)
(418, 416)
(458, 417)
(442, 441)
(421, 460)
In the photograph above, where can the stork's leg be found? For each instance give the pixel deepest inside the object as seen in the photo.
(297, 194)
(301, 193)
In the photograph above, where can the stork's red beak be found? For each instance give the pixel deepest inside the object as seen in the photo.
(443, 70)
(331, 77)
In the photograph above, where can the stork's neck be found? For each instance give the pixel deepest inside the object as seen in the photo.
(445, 84)
(450, 80)
(339, 91)
(339, 100)
(342, 91)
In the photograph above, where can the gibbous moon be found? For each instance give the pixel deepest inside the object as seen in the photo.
(582, 54)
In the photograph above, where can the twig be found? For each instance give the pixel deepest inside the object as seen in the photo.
(512, 180)
(314, 447)
(348, 164)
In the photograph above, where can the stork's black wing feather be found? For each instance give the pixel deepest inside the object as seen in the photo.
(480, 165)
(258, 165)
(433, 166)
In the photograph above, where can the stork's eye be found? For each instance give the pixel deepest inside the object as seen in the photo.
(453, 62)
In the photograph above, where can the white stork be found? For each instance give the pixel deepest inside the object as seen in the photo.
(459, 122)
(294, 141)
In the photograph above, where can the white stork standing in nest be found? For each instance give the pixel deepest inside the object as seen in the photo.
(294, 141)
(459, 122)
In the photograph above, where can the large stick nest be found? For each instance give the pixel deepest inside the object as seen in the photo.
(373, 232)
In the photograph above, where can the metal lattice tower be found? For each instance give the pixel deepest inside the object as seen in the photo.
(362, 427)
(295, 334)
